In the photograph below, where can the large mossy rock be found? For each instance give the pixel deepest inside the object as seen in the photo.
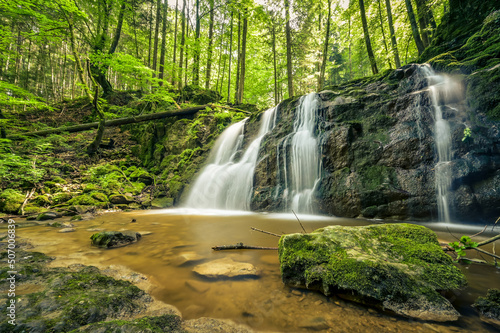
(112, 239)
(489, 307)
(11, 201)
(401, 266)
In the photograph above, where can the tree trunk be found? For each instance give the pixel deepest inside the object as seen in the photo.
(238, 62)
(183, 41)
(276, 92)
(174, 60)
(368, 43)
(289, 49)
(196, 58)
(241, 88)
(186, 56)
(150, 33)
(414, 27)
(230, 57)
(163, 42)
(325, 50)
(383, 34)
(157, 35)
(393, 34)
(422, 21)
(210, 42)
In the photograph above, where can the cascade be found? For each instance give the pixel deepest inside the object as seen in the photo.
(441, 89)
(301, 169)
(226, 183)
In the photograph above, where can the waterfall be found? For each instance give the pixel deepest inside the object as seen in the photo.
(226, 183)
(300, 156)
(441, 89)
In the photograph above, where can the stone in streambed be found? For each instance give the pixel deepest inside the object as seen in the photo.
(48, 216)
(400, 265)
(315, 324)
(489, 307)
(66, 230)
(112, 239)
(226, 268)
(198, 286)
(187, 258)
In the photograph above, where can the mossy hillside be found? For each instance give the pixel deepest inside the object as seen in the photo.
(390, 263)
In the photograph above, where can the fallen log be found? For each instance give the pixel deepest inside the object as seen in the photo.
(112, 122)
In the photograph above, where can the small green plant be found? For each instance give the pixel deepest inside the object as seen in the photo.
(463, 244)
(467, 134)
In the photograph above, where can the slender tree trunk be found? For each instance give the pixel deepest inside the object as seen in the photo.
(289, 49)
(393, 34)
(276, 92)
(135, 35)
(186, 56)
(422, 21)
(368, 43)
(157, 36)
(210, 42)
(163, 42)
(387, 55)
(321, 80)
(150, 33)
(174, 71)
(414, 27)
(196, 58)
(350, 45)
(241, 89)
(183, 41)
(238, 62)
(230, 58)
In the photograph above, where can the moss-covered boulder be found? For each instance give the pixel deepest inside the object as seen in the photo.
(48, 216)
(120, 199)
(489, 307)
(401, 266)
(112, 239)
(11, 201)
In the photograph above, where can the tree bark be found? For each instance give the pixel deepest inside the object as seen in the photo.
(276, 92)
(163, 42)
(383, 34)
(368, 43)
(174, 60)
(210, 43)
(422, 21)
(325, 50)
(196, 58)
(393, 34)
(241, 89)
(230, 58)
(183, 40)
(157, 36)
(414, 27)
(289, 49)
(238, 62)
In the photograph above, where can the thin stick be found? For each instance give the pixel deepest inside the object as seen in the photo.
(265, 232)
(299, 222)
(487, 253)
(479, 233)
(241, 246)
(491, 240)
(494, 224)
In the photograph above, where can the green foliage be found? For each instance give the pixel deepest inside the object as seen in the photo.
(463, 244)
(467, 134)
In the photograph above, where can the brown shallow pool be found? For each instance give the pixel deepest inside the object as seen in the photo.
(263, 303)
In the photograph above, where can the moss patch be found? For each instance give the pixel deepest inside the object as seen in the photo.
(393, 263)
(11, 201)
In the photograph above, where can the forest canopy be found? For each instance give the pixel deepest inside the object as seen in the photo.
(250, 51)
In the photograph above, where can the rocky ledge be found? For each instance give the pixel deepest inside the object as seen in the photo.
(400, 267)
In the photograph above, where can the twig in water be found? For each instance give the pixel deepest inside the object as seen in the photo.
(241, 246)
(299, 222)
(265, 232)
(479, 233)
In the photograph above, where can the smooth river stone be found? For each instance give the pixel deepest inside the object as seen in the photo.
(225, 268)
(187, 258)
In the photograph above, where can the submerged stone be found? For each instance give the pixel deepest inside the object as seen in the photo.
(48, 216)
(489, 307)
(401, 266)
(112, 239)
(225, 268)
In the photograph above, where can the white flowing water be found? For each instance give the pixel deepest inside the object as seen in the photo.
(441, 88)
(226, 183)
(303, 165)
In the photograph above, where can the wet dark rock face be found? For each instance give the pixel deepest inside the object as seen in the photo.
(379, 153)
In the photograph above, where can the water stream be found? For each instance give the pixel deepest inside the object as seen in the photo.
(442, 88)
(263, 303)
(226, 183)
